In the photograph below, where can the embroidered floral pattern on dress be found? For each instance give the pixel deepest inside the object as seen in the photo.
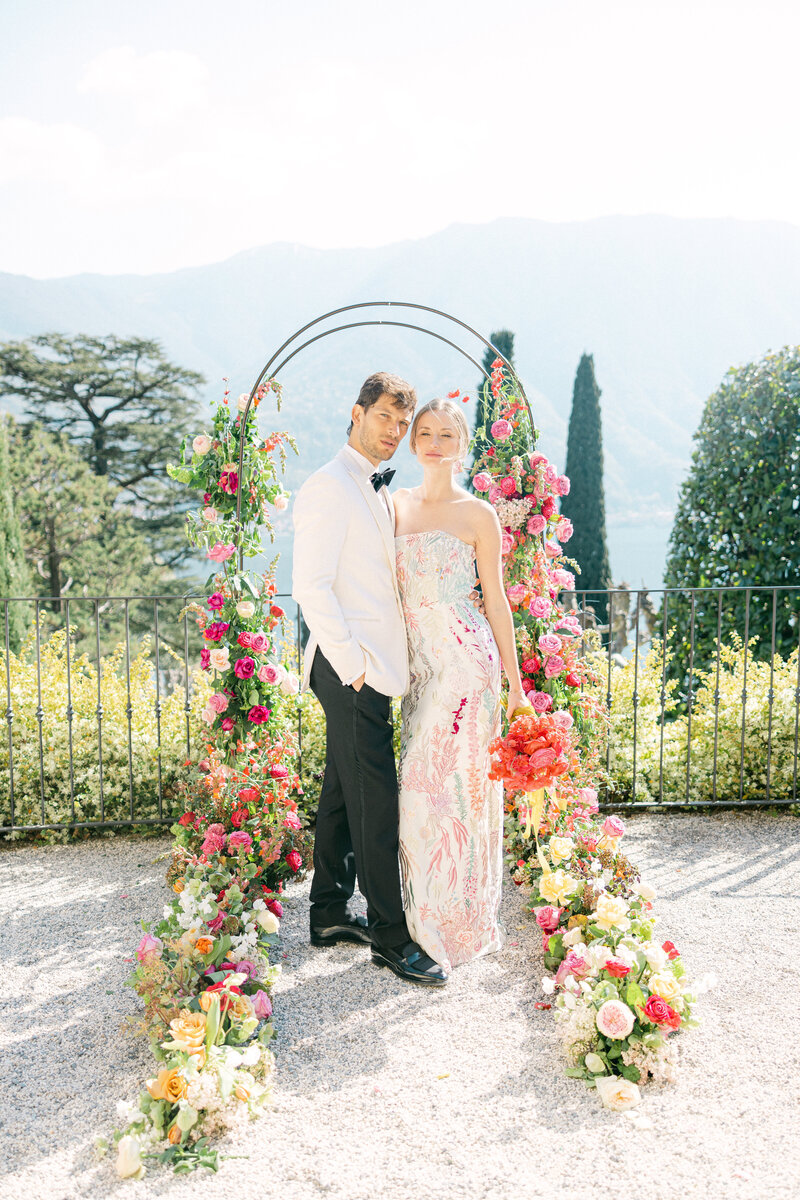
(451, 814)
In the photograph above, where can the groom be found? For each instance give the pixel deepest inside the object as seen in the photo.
(356, 660)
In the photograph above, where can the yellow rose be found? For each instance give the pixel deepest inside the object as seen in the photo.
(189, 1030)
(557, 886)
(617, 1093)
(560, 848)
(611, 911)
(169, 1085)
(668, 988)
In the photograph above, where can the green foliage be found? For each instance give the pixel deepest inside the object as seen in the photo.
(723, 732)
(123, 406)
(15, 576)
(738, 517)
(85, 780)
(503, 339)
(585, 504)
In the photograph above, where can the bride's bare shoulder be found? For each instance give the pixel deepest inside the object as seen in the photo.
(480, 511)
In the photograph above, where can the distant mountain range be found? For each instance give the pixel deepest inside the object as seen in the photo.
(665, 305)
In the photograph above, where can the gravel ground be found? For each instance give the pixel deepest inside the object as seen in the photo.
(384, 1089)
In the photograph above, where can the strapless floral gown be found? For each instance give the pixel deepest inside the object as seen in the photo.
(451, 814)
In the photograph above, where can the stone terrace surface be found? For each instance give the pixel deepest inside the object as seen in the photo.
(387, 1090)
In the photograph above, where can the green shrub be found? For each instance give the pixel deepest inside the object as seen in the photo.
(144, 742)
(697, 745)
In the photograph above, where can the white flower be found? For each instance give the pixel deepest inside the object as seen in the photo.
(644, 890)
(241, 403)
(572, 936)
(245, 609)
(201, 444)
(126, 1111)
(251, 1055)
(611, 912)
(595, 1063)
(129, 1158)
(657, 958)
(291, 684)
(259, 903)
(617, 1093)
(548, 985)
(568, 999)
(268, 921)
(281, 501)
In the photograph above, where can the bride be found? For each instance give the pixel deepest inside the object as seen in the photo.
(451, 815)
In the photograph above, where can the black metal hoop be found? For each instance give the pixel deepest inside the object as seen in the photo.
(361, 324)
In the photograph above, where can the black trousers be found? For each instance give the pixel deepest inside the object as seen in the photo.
(357, 820)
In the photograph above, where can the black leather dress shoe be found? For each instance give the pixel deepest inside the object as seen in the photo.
(349, 931)
(411, 963)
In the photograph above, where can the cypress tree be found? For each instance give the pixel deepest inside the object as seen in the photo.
(585, 504)
(15, 576)
(503, 339)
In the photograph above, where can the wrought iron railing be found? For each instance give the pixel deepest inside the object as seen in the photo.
(100, 724)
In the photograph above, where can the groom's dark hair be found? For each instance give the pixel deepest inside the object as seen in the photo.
(384, 384)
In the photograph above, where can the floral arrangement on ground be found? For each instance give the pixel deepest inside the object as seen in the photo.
(203, 970)
(618, 992)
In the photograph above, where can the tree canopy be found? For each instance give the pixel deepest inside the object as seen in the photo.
(503, 339)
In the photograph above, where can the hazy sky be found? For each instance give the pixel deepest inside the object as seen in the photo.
(145, 135)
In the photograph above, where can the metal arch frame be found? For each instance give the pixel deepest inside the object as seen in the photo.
(358, 325)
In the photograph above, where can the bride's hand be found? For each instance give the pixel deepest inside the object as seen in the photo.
(516, 699)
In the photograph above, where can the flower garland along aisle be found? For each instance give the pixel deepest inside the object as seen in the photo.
(203, 970)
(619, 993)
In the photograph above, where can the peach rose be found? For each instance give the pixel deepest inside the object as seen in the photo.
(168, 1085)
(242, 1006)
(189, 1030)
(219, 658)
(201, 444)
(617, 1093)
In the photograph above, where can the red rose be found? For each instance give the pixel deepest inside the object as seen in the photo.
(248, 795)
(277, 611)
(531, 665)
(549, 507)
(275, 907)
(239, 816)
(669, 948)
(258, 713)
(294, 860)
(187, 818)
(661, 1013)
(617, 968)
(571, 679)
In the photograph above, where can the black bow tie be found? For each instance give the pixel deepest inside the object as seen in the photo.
(382, 478)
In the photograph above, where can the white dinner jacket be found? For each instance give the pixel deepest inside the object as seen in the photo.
(345, 580)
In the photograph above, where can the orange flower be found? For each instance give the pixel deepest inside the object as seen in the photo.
(241, 1093)
(178, 886)
(204, 945)
(168, 1085)
(174, 1135)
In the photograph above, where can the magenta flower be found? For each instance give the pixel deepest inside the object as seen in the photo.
(245, 967)
(279, 771)
(205, 658)
(262, 1005)
(229, 482)
(275, 907)
(258, 713)
(243, 668)
(508, 486)
(291, 821)
(240, 840)
(541, 701)
(294, 860)
(216, 631)
(216, 601)
(226, 724)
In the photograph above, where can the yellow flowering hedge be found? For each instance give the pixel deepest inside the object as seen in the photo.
(729, 773)
(86, 761)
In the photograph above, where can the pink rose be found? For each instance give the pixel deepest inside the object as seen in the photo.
(563, 719)
(216, 631)
(540, 607)
(550, 643)
(267, 673)
(548, 507)
(613, 827)
(516, 593)
(245, 967)
(550, 474)
(262, 1005)
(547, 918)
(245, 639)
(291, 821)
(494, 494)
(562, 579)
(554, 666)
(240, 840)
(501, 430)
(562, 485)
(552, 550)
(507, 544)
(258, 714)
(279, 771)
(218, 701)
(221, 552)
(530, 665)
(573, 964)
(243, 668)
(205, 656)
(227, 724)
(259, 642)
(216, 601)
(564, 530)
(541, 701)
(588, 798)
(482, 482)
(210, 514)
(537, 458)
(213, 843)
(215, 924)
(536, 525)
(294, 860)
(149, 947)
(508, 486)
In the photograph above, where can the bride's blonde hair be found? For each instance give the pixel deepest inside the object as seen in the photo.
(453, 412)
